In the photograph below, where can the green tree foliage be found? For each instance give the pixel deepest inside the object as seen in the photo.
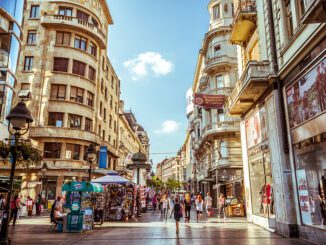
(155, 182)
(173, 184)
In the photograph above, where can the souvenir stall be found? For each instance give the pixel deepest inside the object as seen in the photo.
(118, 197)
(80, 201)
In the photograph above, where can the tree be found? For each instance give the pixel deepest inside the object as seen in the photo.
(172, 184)
(155, 182)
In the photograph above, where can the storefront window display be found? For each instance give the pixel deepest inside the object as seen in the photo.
(260, 165)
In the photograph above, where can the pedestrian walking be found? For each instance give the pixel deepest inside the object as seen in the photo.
(193, 200)
(14, 206)
(2, 202)
(177, 208)
(187, 205)
(221, 202)
(165, 207)
(199, 206)
(171, 204)
(29, 205)
(154, 203)
(209, 204)
(38, 201)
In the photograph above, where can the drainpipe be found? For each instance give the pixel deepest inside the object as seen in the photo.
(276, 70)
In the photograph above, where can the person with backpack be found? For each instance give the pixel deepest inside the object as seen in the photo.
(177, 208)
(14, 206)
(187, 204)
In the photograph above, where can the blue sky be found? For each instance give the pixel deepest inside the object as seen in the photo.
(153, 46)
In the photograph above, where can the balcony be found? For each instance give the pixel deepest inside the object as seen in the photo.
(251, 85)
(244, 21)
(221, 91)
(314, 12)
(220, 128)
(64, 133)
(76, 24)
(219, 63)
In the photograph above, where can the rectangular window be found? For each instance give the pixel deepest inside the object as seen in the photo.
(216, 12)
(90, 99)
(289, 20)
(52, 150)
(58, 92)
(106, 93)
(65, 11)
(88, 124)
(55, 119)
(99, 129)
(301, 8)
(102, 85)
(60, 64)
(80, 42)
(111, 102)
(72, 151)
(103, 135)
(217, 50)
(104, 114)
(28, 64)
(78, 68)
(31, 37)
(91, 73)
(74, 121)
(219, 81)
(101, 108)
(110, 121)
(112, 81)
(35, 9)
(82, 16)
(77, 94)
(92, 49)
(63, 38)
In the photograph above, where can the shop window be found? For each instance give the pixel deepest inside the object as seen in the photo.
(77, 94)
(310, 164)
(216, 12)
(52, 150)
(91, 73)
(90, 99)
(55, 119)
(78, 68)
(88, 124)
(72, 151)
(60, 64)
(82, 16)
(63, 38)
(28, 64)
(74, 121)
(31, 37)
(80, 42)
(92, 49)
(58, 92)
(65, 11)
(35, 12)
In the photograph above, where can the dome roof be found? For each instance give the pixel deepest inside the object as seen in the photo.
(139, 157)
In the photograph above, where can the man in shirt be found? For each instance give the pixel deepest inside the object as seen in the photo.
(209, 204)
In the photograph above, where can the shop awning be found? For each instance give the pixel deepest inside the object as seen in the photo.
(84, 186)
(111, 178)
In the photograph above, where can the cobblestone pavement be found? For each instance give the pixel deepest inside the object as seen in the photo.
(150, 229)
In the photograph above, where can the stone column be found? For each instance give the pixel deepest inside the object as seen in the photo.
(59, 185)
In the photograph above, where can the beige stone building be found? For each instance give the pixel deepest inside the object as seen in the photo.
(71, 89)
(132, 139)
(215, 135)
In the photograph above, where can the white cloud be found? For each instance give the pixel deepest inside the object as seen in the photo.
(146, 63)
(168, 126)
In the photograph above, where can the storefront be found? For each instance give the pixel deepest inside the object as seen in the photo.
(306, 107)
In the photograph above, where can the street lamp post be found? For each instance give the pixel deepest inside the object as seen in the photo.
(91, 157)
(18, 118)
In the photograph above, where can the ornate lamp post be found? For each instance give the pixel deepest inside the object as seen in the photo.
(19, 119)
(91, 157)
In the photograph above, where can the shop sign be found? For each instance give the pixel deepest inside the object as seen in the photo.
(209, 101)
(256, 128)
(237, 211)
(304, 196)
(306, 98)
(103, 157)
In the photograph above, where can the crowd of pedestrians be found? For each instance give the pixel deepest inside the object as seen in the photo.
(179, 205)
